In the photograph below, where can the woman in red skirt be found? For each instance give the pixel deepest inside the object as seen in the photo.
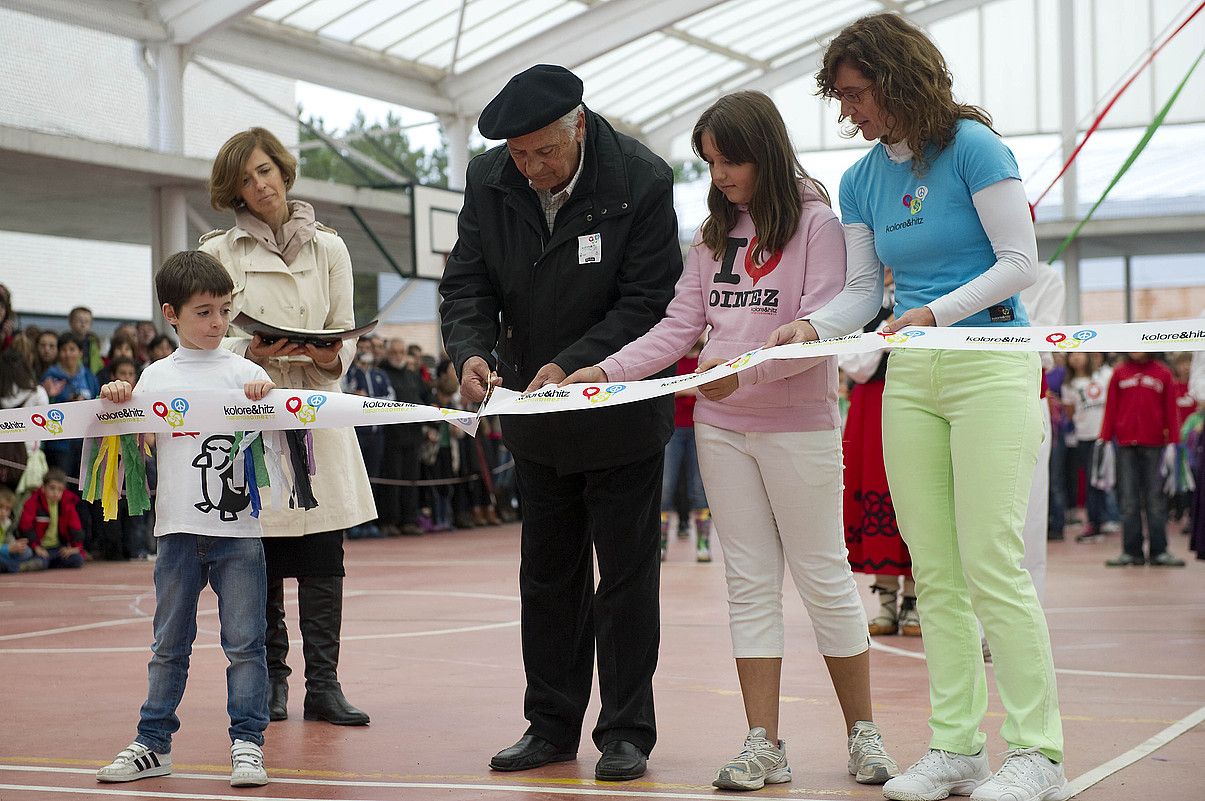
(871, 535)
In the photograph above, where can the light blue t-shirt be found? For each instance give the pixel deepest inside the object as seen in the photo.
(926, 229)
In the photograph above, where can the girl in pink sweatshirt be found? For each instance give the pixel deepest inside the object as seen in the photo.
(769, 438)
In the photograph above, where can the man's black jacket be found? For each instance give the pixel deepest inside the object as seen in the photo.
(518, 297)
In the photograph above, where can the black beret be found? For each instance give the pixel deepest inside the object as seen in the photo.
(536, 97)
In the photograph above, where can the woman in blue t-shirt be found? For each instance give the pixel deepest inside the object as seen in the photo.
(939, 199)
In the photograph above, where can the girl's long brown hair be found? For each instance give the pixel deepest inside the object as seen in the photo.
(909, 79)
(747, 128)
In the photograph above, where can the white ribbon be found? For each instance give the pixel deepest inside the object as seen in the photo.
(213, 411)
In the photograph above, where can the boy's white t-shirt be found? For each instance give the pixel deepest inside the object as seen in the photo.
(201, 488)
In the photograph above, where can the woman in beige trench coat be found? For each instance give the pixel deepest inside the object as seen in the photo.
(290, 270)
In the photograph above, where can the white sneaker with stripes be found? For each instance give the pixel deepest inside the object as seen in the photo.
(759, 763)
(135, 761)
(247, 765)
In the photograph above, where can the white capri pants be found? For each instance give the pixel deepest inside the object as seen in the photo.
(777, 498)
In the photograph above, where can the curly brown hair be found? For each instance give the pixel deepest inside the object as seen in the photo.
(909, 79)
(747, 127)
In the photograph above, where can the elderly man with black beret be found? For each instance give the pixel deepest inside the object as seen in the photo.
(567, 251)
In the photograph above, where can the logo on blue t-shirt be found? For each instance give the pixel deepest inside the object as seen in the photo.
(914, 201)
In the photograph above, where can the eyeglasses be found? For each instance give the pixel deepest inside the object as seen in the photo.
(853, 97)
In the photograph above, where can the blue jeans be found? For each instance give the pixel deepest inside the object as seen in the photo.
(1141, 489)
(681, 456)
(234, 567)
(1056, 514)
(11, 563)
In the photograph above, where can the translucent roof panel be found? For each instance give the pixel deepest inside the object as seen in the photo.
(652, 66)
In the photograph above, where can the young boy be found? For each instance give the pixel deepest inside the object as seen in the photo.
(15, 552)
(79, 321)
(1140, 414)
(205, 531)
(50, 522)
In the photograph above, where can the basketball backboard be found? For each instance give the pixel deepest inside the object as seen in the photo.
(433, 227)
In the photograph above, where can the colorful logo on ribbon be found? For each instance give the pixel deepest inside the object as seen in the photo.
(173, 416)
(900, 337)
(742, 360)
(305, 412)
(916, 200)
(52, 423)
(1061, 341)
(596, 395)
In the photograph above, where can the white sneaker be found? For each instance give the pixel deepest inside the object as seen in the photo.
(247, 765)
(937, 775)
(135, 761)
(1110, 527)
(759, 763)
(1026, 775)
(868, 761)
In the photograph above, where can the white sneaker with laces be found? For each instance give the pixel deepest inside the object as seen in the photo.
(939, 774)
(1026, 775)
(247, 765)
(135, 761)
(759, 763)
(868, 760)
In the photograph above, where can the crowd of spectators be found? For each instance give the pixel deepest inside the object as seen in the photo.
(430, 477)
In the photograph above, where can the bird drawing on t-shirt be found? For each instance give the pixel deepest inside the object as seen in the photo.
(216, 462)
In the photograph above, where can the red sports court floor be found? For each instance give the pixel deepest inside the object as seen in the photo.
(431, 651)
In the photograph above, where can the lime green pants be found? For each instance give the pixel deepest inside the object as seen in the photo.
(961, 431)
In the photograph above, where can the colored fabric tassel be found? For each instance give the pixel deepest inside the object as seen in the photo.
(301, 460)
(100, 474)
(138, 496)
(1146, 137)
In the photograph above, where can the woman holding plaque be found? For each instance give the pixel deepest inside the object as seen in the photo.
(294, 272)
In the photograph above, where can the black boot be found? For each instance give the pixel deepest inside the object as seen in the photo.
(277, 642)
(321, 605)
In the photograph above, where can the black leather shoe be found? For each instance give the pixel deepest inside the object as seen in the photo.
(530, 752)
(620, 762)
(333, 707)
(278, 700)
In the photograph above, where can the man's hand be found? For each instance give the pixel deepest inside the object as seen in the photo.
(476, 379)
(117, 391)
(41, 552)
(720, 388)
(586, 375)
(18, 546)
(548, 374)
(920, 318)
(791, 333)
(256, 390)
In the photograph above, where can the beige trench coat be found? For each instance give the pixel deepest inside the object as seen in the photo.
(314, 292)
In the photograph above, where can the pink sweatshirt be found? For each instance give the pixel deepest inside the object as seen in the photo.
(743, 302)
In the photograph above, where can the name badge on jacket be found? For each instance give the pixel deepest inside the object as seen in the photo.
(589, 249)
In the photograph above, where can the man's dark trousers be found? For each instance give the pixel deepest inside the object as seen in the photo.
(615, 510)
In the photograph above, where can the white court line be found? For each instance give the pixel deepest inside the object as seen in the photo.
(1108, 674)
(136, 649)
(1094, 776)
(1151, 608)
(354, 593)
(537, 789)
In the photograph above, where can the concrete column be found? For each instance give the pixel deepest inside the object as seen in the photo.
(456, 131)
(1073, 308)
(169, 208)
